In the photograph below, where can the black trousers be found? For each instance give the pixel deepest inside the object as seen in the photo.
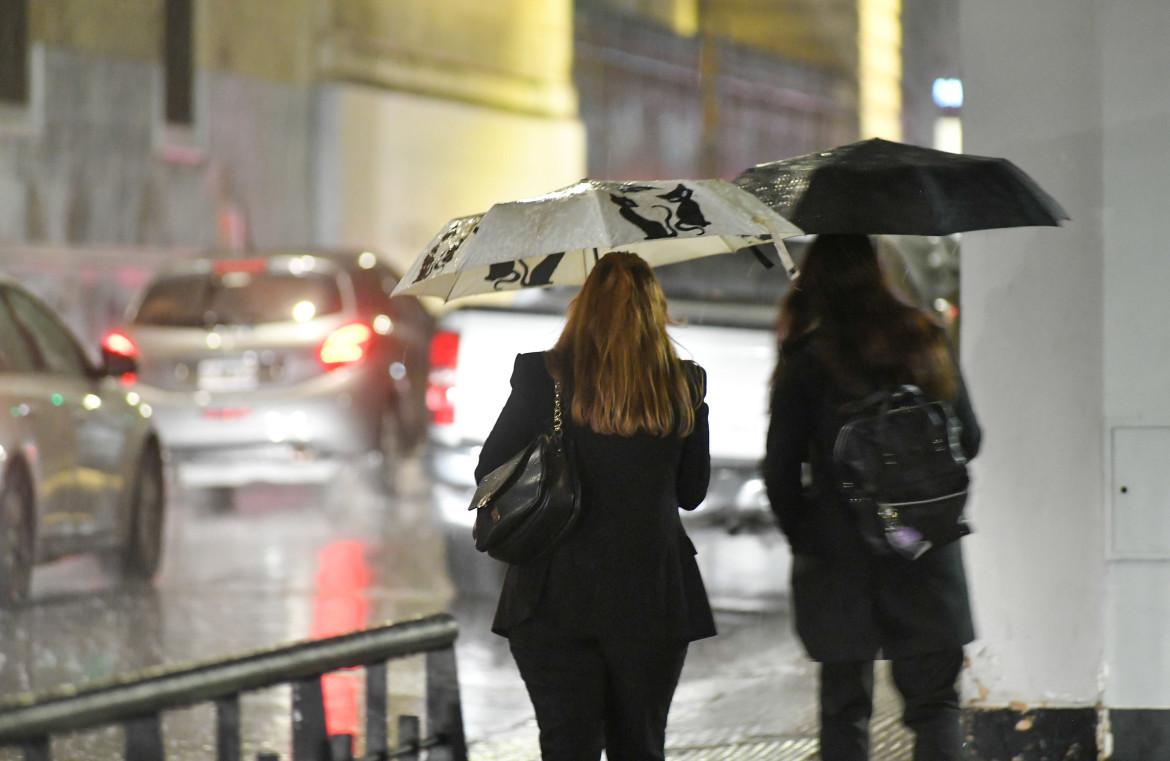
(928, 687)
(592, 693)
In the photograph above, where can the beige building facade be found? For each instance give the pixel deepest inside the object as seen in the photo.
(159, 128)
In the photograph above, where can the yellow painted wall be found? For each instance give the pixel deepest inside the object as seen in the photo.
(879, 72)
(681, 16)
(818, 32)
(822, 33)
(115, 28)
(508, 54)
(264, 39)
(410, 163)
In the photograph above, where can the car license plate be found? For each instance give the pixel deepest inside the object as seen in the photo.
(228, 374)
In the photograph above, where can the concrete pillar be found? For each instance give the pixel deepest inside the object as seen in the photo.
(1064, 344)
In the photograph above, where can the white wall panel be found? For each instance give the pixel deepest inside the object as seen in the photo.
(1032, 350)
(1066, 349)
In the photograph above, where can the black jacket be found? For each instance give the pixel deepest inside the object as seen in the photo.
(848, 603)
(628, 570)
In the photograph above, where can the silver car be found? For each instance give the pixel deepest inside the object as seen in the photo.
(282, 367)
(81, 470)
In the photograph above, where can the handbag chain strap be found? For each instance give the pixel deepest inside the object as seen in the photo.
(557, 409)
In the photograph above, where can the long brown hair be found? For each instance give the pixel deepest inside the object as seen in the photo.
(617, 358)
(867, 335)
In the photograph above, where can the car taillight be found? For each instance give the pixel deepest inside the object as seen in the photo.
(120, 344)
(345, 346)
(441, 378)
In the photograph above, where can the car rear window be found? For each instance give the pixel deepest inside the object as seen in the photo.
(238, 298)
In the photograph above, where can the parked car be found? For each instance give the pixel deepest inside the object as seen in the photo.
(81, 469)
(281, 367)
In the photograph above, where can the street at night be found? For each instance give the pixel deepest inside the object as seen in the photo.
(870, 292)
(290, 563)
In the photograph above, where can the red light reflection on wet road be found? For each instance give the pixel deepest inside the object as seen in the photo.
(340, 606)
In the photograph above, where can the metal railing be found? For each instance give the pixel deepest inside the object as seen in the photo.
(137, 701)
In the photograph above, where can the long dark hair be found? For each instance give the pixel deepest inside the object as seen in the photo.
(866, 335)
(616, 356)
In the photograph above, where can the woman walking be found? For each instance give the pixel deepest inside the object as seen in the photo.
(843, 334)
(599, 628)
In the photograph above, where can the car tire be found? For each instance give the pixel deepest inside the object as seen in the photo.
(16, 538)
(143, 550)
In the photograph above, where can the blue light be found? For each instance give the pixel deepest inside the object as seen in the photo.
(948, 93)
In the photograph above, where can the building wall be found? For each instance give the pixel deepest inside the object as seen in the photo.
(90, 162)
(1135, 89)
(820, 33)
(127, 29)
(95, 192)
(83, 170)
(395, 167)
(930, 50)
(467, 103)
(267, 40)
(265, 67)
(512, 55)
(426, 112)
(94, 167)
(1034, 298)
(1072, 560)
(658, 104)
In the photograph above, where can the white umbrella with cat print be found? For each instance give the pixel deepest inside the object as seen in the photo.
(556, 238)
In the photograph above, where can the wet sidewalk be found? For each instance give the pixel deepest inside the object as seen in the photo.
(749, 693)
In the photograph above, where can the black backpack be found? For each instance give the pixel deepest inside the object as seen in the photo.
(899, 464)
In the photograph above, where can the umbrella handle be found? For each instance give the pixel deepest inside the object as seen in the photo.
(782, 252)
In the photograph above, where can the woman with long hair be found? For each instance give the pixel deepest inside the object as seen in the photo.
(842, 334)
(599, 628)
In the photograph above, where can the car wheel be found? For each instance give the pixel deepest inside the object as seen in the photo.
(16, 538)
(148, 508)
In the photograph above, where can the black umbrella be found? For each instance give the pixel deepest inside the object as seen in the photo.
(878, 187)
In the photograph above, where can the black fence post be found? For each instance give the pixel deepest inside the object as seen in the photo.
(341, 747)
(444, 712)
(376, 708)
(138, 701)
(144, 740)
(227, 728)
(310, 739)
(408, 737)
(37, 750)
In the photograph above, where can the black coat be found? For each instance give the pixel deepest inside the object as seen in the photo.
(848, 603)
(628, 569)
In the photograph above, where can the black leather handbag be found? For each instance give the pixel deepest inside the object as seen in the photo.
(528, 505)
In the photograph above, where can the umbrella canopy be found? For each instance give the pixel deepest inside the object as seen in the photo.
(555, 238)
(877, 187)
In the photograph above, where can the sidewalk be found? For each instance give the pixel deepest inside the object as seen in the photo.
(748, 693)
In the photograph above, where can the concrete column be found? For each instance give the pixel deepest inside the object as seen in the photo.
(1064, 344)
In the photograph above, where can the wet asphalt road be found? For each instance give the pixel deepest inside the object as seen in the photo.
(291, 563)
